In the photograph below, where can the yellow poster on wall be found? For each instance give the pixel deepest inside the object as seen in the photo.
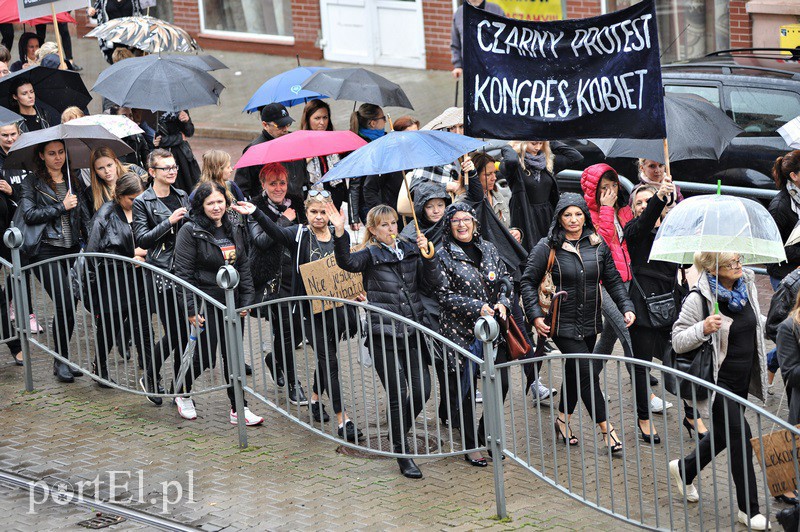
(539, 10)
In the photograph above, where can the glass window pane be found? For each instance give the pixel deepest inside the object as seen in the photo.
(761, 112)
(258, 17)
(709, 94)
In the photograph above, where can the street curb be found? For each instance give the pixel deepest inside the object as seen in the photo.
(216, 132)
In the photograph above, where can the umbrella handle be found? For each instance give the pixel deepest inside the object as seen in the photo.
(666, 157)
(431, 250)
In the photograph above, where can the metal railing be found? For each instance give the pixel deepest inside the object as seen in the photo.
(408, 390)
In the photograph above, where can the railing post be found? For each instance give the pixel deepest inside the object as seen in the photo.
(228, 279)
(13, 240)
(487, 330)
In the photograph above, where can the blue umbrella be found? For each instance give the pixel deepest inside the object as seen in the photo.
(284, 88)
(402, 150)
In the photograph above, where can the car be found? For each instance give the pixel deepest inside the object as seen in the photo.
(759, 89)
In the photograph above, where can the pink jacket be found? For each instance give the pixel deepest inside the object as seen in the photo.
(603, 218)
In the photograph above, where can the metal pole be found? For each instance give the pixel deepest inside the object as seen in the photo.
(228, 280)
(487, 330)
(13, 240)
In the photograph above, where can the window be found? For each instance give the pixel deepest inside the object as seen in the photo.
(709, 94)
(760, 112)
(254, 17)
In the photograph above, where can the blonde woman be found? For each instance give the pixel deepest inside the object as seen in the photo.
(530, 168)
(653, 173)
(391, 267)
(217, 169)
(105, 169)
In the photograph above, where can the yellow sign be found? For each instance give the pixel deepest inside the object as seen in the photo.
(536, 10)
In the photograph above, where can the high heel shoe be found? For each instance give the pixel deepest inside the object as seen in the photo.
(649, 438)
(479, 462)
(561, 434)
(690, 429)
(614, 445)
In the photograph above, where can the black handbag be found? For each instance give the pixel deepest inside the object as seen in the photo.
(661, 308)
(698, 362)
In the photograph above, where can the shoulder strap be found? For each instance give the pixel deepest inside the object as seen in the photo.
(551, 259)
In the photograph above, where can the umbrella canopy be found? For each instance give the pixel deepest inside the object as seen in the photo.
(695, 129)
(150, 34)
(357, 84)
(157, 84)
(8, 117)
(718, 223)
(452, 116)
(204, 62)
(790, 132)
(118, 125)
(57, 88)
(401, 150)
(300, 145)
(285, 88)
(9, 14)
(79, 141)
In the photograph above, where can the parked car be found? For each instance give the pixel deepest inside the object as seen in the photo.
(758, 90)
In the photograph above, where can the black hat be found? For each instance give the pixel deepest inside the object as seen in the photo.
(277, 113)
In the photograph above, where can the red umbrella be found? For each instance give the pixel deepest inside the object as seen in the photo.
(301, 145)
(9, 12)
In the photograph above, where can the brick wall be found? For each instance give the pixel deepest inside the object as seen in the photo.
(582, 8)
(438, 17)
(741, 28)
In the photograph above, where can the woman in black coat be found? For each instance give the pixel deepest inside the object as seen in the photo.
(582, 262)
(784, 208)
(56, 221)
(530, 172)
(205, 243)
(272, 266)
(173, 130)
(393, 272)
(468, 288)
(117, 293)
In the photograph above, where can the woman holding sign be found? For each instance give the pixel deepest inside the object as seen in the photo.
(310, 243)
(393, 276)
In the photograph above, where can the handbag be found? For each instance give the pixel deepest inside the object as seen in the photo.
(547, 287)
(661, 309)
(515, 340)
(31, 234)
(698, 362)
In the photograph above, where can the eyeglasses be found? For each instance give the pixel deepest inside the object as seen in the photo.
(314, 193)
(380, 118)
(733, 264)
(461, 221)
(168, 169)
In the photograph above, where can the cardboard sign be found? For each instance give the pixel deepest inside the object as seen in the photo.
(780, 454)
(324, 278)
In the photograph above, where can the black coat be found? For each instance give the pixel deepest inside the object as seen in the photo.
(381, 189)
(781, 210)
(40, 205)
(152, 229)
(172, 132)
(782, 303)
(247, 177)
(198, 259)
(788, 351)
(391, 284)
(579, 272)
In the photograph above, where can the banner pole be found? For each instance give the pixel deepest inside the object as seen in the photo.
(666, 157)
(456, 98)
(58, 36)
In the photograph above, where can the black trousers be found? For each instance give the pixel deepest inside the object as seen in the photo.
(581, 379)
(733, 433)
(171, 313)
(54, 277)
(7, 34)
(66, 40)
(286, 334)
(405, 377)
(322, 332)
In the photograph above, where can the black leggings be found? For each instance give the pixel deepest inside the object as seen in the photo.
(171, 313)
(401, 371)
(54, 277)
(322, 332)
(286, 334)
(581, 375)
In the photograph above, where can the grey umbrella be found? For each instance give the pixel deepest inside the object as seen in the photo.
(79, 141)
(202, 62)
(8, 117)
(157, 84)
(359, 85)
(695, 129)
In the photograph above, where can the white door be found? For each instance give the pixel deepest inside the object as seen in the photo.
(374, 32)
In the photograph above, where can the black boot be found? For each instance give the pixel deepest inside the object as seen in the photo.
(62, 372)
(407, 466)
(280, 380)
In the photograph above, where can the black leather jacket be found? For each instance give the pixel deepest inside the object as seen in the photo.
(40, 205)
(151, 227)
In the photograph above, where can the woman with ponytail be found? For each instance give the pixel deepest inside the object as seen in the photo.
(784, 208)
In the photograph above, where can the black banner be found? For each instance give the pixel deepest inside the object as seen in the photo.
(598, 77)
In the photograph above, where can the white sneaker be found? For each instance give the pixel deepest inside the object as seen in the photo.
(757, 522)
(541, 392)
(250, 419)
(478, 396)
(688, 491)
(186, 407)
(657, 406)
(35, 327)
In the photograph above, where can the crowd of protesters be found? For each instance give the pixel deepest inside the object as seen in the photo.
(490, 229)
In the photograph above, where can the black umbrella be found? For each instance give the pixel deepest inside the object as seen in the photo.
(359, 85)
(8, 117)
(157, 84)
(57, 88)
(79, 141)
(695, 129)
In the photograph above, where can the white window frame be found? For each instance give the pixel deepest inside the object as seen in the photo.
(242, 36)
